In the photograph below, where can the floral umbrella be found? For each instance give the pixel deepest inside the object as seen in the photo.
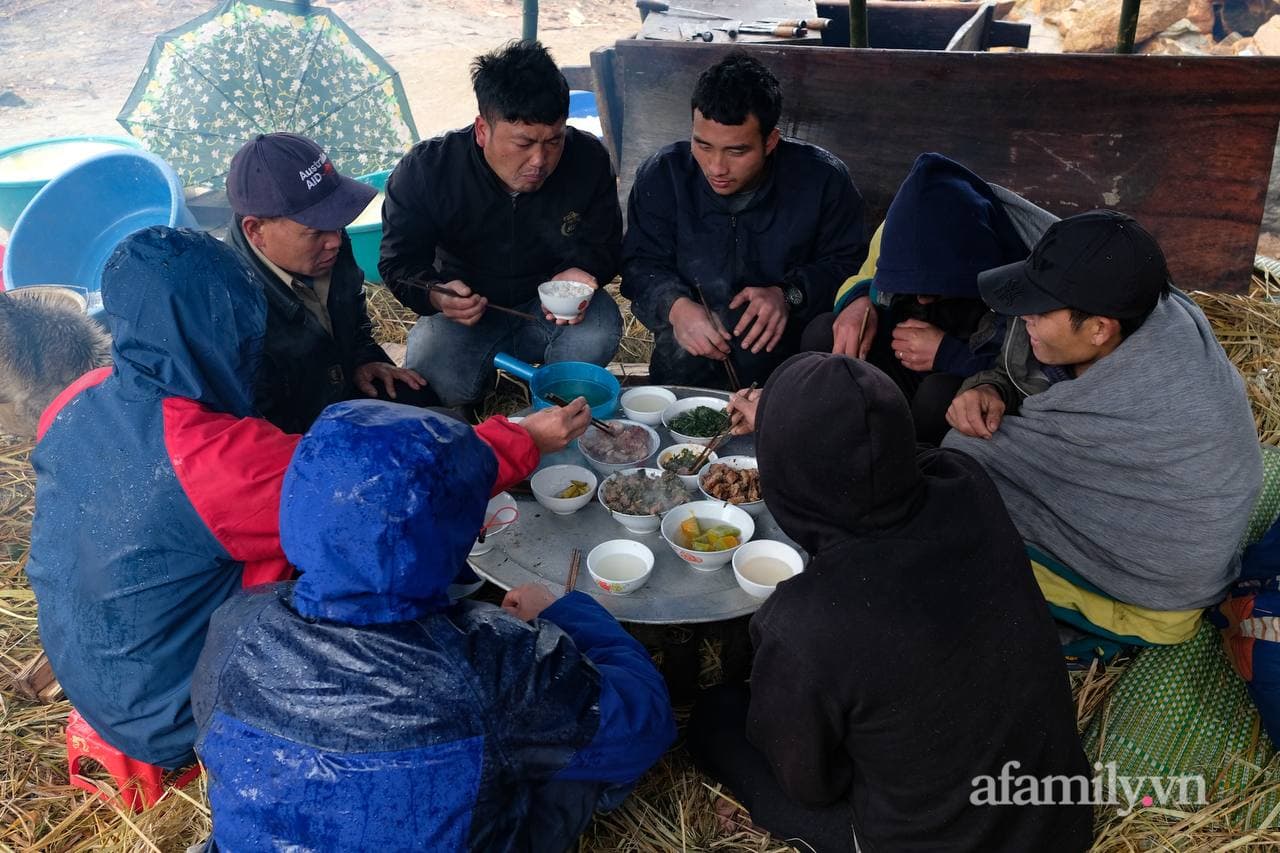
(261, 66)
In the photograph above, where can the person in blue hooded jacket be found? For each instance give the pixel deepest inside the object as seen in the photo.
(913, 309)
(357, 709)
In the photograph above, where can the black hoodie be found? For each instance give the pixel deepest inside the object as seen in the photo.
(915, 653)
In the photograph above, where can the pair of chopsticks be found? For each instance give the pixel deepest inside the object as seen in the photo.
(574, 563)
(604, 427)
(734, 384)
(440, 288)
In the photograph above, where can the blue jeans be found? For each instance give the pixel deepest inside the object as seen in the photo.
(457, 360)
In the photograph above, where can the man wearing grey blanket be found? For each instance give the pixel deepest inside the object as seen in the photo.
(1117, 431)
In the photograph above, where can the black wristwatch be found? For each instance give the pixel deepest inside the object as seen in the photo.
(793, 295)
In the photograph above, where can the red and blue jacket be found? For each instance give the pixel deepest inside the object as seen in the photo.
(158, 490)
(357, 709)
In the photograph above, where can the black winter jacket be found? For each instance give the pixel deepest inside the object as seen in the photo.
(447, 216)
(304, 368)
(803, 227)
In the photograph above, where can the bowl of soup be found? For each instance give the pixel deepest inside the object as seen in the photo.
(620, 566)
(760, 566)
(645, 404)
(706, 534)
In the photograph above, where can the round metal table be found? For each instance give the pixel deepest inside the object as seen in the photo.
(538, 546)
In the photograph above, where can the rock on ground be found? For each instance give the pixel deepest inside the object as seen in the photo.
(1095, 26)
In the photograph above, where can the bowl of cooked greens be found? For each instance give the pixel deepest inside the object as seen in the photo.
(696, 420)
(681, 459)
(638, 497)
(705, 534)
(563, 489)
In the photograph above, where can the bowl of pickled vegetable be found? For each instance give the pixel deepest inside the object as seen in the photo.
(696, 420)
(705, 534)
(563, 489)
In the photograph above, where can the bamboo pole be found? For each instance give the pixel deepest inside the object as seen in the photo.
(530, 30)
(1128, 26)
(857, 23)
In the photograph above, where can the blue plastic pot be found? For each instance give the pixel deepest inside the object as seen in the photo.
(366, 240)
(568, 379)
(15, 195)
(72, 225)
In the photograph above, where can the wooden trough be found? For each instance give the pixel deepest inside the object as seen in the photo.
(1184, 144)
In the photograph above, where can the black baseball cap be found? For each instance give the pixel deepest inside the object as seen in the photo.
(283, 174)
(1101, 262)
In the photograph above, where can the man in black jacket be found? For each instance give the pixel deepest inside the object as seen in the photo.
(491, 212)
(759, 229)
(291, 211)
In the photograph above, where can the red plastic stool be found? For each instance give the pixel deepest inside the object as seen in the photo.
(131, 777)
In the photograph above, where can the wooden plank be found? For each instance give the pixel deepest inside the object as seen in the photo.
(671, 26)
(974, 34)
(1009, 34)
(608, 103)
(1182, 143)
(578, 77)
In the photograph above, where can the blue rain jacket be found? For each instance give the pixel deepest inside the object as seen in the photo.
(155, 490)
(356, 709)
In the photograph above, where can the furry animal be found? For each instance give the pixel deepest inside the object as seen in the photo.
(46, 343)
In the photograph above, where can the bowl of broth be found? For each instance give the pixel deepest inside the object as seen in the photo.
(645, 404)
(620, 566)
(760, 566)
(706, 534)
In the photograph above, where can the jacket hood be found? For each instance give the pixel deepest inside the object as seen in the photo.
(379, 508)
(837, 452)
(187, 317)
(944, 226)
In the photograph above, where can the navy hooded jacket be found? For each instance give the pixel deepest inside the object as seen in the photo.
(358, 710)
(149, 509)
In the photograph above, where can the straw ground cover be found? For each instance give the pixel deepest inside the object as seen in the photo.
(673, 807)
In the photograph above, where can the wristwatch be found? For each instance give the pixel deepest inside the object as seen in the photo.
(793, 295)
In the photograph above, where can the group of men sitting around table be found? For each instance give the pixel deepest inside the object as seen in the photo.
(1090, 493)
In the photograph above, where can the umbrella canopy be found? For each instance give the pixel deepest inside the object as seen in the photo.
(259, 66)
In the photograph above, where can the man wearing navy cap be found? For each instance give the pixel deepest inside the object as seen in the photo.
(291, 212)
(1117, 431)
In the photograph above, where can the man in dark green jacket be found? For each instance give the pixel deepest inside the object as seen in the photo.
(291, 211)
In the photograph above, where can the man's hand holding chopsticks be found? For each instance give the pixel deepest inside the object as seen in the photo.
(697, 331)
(553, 428)
(466, 308)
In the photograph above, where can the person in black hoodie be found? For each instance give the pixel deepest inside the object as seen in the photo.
(492, 211)
(913, 656)
(291, 210)
(764, 229)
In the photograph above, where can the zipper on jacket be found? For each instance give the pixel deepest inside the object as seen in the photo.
(511, 240)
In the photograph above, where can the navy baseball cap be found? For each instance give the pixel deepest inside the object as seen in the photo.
(283, 174)
(1101, 262)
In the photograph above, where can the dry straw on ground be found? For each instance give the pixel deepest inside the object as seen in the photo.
(673, 807)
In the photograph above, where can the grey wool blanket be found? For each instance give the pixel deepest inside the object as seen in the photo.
(1141, 473)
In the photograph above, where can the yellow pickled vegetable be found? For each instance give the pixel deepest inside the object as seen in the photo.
(575, 489)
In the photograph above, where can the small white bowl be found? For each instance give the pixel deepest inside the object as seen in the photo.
(498, 502)
(570, 302)
(635, 523)
(608, 468)
(768, 548)
(612, 583)
(649, 415)
(553, 479)
(740, 463)
(717, 511)
(679, 407)
(690, 480)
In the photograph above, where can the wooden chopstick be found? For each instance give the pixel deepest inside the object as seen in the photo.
(717, 439)
(440, 288)
(574, 563)
(734, 384)
(603, 426)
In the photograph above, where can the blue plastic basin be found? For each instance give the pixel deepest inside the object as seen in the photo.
(366, 240)
(72, 225)
(54, 156)
(567, 379)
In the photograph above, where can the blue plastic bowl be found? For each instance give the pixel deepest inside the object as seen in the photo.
(366, 240)
(15, 195)
(72, 225)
